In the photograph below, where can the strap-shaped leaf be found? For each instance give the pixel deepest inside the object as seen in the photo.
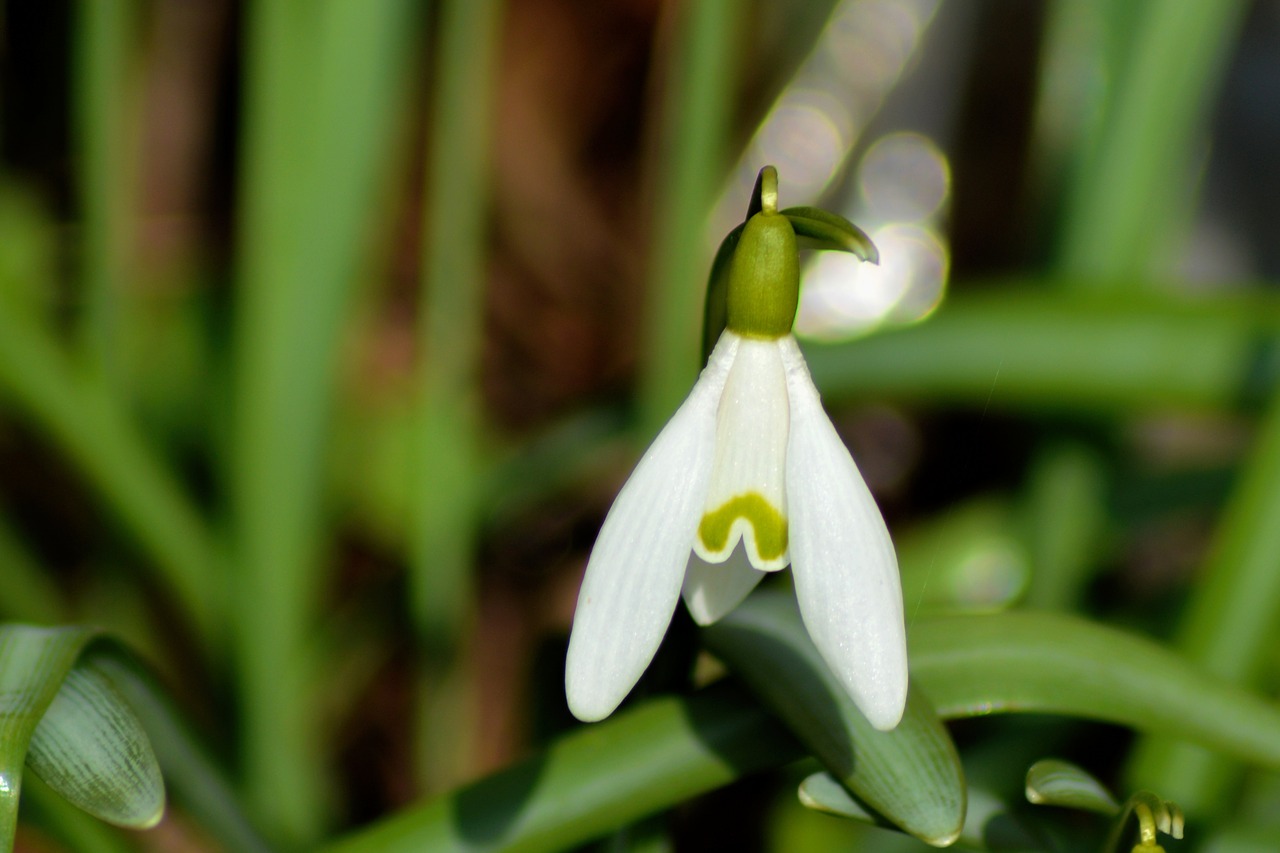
(989, 825)
(1057, 664)
(823, 792)
(1053, 782)
(90, 747)
(911, 776)
(593, 779)
(117, 778)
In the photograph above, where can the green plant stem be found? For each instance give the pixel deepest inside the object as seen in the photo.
(1230, 627)
(595, 779)
(103, 121)
(1141, 172)
(450, 329)
(1065, 519)
(691, 163)
(323, 82)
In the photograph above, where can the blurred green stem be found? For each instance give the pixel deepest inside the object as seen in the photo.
(103, 122)
(1230, 627)
(691, 162)
(450, 327)
(86, 422)
(1065, 521)
(1140, 170)
(322, 87)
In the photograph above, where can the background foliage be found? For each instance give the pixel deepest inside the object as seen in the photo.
(328, 331)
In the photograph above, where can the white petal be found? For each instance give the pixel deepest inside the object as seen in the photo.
(635, 570)
(846, 573)
(746, 500)
(711, 590)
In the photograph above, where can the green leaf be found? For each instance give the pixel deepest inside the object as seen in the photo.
(822, 229)
(1057, 664)
(595, 779)
(1134, 182)
(911, 776)
(1065, 522)
(42, 386)
(194, 779)
(323, 85)
(695, 118)
(988, 824)
(1029, 349)
(90, 747)
(118, 779)
(1052, 782)
(823, 792)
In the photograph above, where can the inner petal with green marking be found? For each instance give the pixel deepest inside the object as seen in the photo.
(753, 519)
(746, 498)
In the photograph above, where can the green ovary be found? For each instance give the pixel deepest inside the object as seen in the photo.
(769, 525)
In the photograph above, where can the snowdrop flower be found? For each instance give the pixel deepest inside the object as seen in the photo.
(747, 477)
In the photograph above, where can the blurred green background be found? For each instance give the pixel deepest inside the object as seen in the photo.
(328, 331)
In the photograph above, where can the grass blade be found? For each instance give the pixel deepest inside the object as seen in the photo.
(1023, 662)
(91, 748)
(447, 473)
(103, 118)
(1230, 627)
(89, 426)
(1147, 151)
(322, 84)
(35, 665)
(1059, 783)
(698, 95)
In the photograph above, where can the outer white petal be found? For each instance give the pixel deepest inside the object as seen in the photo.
(846, 572)
(635, 570)
(711, 590)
